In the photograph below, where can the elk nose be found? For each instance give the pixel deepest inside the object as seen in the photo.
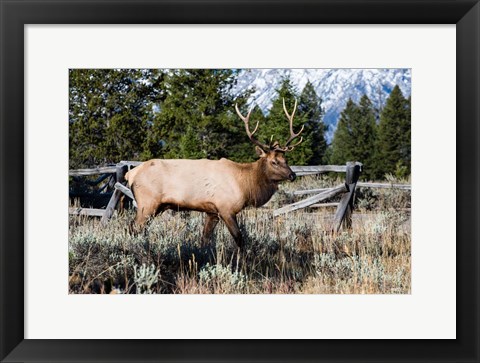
(292, 176)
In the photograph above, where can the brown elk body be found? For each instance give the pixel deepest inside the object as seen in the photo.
(220, 188)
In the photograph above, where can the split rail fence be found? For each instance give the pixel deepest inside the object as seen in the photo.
(115, 175)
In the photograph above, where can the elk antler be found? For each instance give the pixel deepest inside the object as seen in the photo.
(247, 128)
(293, 135)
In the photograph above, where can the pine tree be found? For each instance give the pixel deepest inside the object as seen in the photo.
(108, 114)
(310, 109)
(277, 125)
(354, 139)
(243, 150)
(343, 143)
(366, 136)
(197, 117)
(394, 136)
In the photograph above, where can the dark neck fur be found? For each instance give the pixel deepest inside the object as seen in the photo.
(259, 189)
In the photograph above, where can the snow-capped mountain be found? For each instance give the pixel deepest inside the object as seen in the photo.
(334, 86)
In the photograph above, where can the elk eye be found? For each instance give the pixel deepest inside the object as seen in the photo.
(274, 163)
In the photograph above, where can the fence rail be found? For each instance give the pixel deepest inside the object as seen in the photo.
(319, 169)
(91, 212)
(94, 171)
(299, 170)
(329, 193)
(384, 185)
(359, 185)
(110, 169)
(343, 214)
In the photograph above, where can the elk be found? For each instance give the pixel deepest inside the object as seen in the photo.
(220, 188)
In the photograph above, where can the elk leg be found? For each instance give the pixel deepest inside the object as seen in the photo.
(210, 224)
(144, 213)
(232, 225)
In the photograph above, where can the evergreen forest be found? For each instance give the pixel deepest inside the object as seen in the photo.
(140, 114)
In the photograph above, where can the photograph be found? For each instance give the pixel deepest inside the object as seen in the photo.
(239, 181)
(276, 181)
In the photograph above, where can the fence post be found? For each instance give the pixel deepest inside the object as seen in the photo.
(343, 215)
(121, 170)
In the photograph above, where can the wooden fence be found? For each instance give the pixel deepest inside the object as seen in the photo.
(343, 214)
(117, 177)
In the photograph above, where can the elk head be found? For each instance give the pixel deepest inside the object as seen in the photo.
(273, 155)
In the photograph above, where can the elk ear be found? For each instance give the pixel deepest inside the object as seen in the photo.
(260, 152)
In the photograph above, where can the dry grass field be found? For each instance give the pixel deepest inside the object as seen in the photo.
(292, 253)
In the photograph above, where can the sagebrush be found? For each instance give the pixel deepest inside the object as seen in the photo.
(294, 253)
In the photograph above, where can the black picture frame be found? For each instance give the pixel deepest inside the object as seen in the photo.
(15, 14)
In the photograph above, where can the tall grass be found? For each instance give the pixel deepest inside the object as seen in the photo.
(293, 253)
